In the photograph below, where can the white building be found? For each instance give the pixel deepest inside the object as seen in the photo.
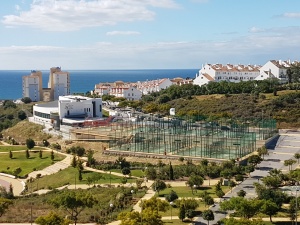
(228, 72)
(68, 110)
(276, 69)
(147, 87)
(118, 89)
(32, 86)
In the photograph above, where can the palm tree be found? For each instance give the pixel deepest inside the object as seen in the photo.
(297, 156)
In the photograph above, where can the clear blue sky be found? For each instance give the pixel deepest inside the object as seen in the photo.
(146, 34)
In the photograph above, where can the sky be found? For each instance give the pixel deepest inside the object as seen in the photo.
(146, 34)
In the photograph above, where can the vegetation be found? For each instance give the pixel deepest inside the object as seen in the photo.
(19, 160)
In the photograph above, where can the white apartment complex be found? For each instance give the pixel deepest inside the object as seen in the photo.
(236, 73)
(118, 89)
(147, 87)
(58, 85)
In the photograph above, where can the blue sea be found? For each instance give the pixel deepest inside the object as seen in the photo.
(82, 81)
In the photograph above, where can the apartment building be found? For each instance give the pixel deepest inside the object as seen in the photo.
(58, 85)
(119, 89)
(32, 86)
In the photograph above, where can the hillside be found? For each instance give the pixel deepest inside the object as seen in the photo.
(285, 107)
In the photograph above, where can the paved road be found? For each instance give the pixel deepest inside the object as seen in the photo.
(286, 146)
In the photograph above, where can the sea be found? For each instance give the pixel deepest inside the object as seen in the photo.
(82, 81)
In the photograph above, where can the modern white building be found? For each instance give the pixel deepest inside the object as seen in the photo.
(32, 86)
(118, 89)
(228, 72)
(68, 110)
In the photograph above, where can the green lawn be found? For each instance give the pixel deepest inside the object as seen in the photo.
(27, 165)
(185, 191)
(175, 210)
(175, 221)
(68, 176)
(135, 173)
(6, 148)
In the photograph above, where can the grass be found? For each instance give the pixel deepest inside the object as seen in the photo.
(68, 176)
(175, 221)
(27, 165)
(186, 192)
(7, 148)
(135, 173)
(175, 210)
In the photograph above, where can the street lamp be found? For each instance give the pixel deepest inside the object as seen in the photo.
(296, 205)
(171, 204)
(111, 209)
(195, 187)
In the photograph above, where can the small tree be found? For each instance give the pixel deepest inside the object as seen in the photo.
(171, 172)
(27, 154)
(74, 161)
(41, 154)
(52, 155)
(30, 143)
(73, 202)
(241, 193)
(159, 185)
(172, 196)
(182, 212)
(126, 171)
(52, 219)
(4, 204)
(17, 171)
(208, 215)
(10, 154)
(80, 175)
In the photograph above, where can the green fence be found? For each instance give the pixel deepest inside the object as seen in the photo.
(221, 139)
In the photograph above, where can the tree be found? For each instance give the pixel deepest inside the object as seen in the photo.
(52, 219)
(289, 163)
(219, 192)
(146, 217)
(172, 196)
(270, 208)
(22, 115)
(182, 212)
(208, 200)
(246, 208)
(27, 154)
(208, 215)
(41, 154)
(26, 100)
(10, 154)
(52, 155)
(74, 161)
(80, 175)
(151, 173)
(159, 185)
(195, 180)
(73, 202)
(155, 204)
(126, 171)
(121, 161)
(254, 159)
(30, 143)
(17, 171)
(297, 156)
(241, 193)
(231, 184)
(262, 151)
(46, 143)
(171, 172)
(4, 204)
